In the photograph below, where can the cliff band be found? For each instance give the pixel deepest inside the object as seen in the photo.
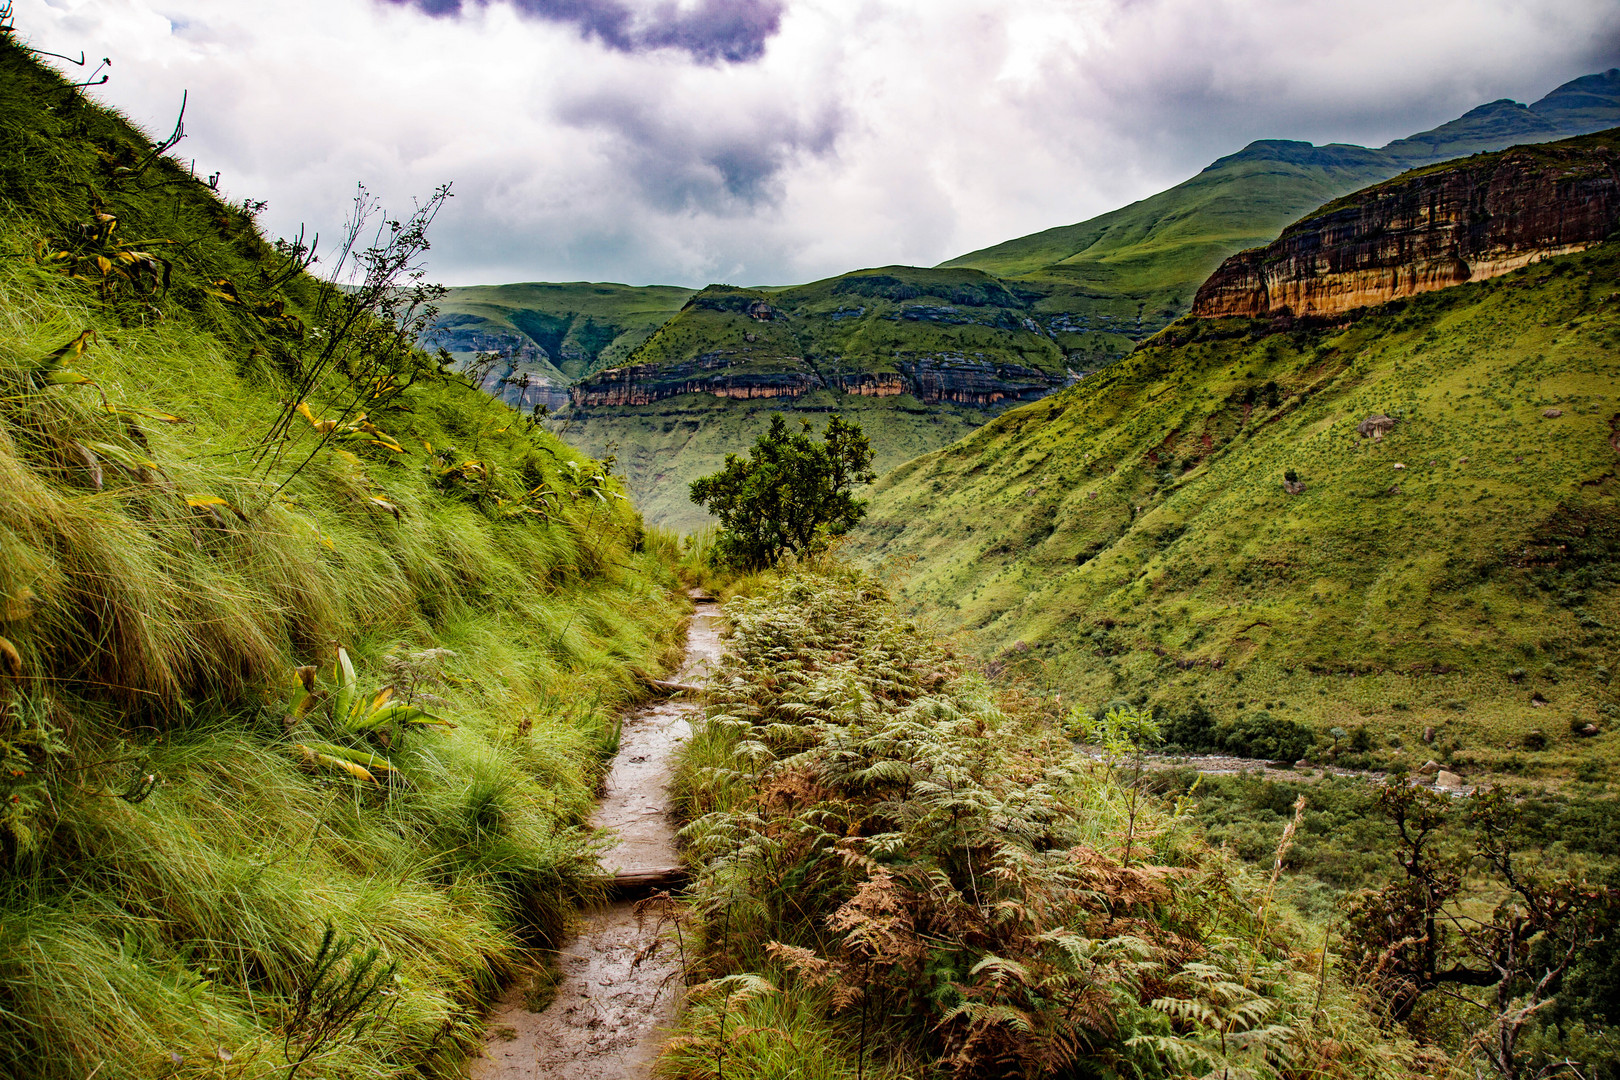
(1428, 229)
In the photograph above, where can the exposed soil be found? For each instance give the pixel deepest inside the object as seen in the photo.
(616, 996)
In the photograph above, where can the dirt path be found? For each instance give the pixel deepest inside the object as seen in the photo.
(608, 1019)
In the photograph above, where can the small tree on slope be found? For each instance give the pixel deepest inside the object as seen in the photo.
(787, 495)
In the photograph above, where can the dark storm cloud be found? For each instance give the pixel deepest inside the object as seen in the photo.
(711, 30)
(681, 161)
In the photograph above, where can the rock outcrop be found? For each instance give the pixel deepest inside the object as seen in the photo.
(975, 381)
(1428, 229)
(644, 384)
(957, 379)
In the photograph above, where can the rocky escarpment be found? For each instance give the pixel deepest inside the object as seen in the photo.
(1462, 221)
(643, 384)
(975, 381)
(517, 385)
(957, 379)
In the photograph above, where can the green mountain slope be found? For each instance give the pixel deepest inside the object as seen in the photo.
(1138, 267)
(554, 333)
(919, 357)
(180, 829)
(1131, 536)
(964, 341)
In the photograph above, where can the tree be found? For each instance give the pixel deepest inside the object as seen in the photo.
(789, 494)
(1419, 933)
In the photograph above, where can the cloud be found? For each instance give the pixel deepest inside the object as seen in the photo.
(689, 141)
(687, 156)
(711, 30)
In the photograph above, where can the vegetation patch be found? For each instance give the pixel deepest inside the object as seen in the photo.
(901, 871)
(309, 652)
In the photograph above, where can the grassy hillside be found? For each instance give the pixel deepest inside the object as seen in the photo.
(554, 332)
(1137, 268)
(660, 449)
(811, 349)
(1131, 537)
(196, 856)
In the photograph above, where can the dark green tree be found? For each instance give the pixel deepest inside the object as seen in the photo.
(789, 494)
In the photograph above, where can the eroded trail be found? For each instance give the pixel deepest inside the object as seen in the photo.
(609, 1016)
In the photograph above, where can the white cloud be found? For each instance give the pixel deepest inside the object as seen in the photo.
(868, 132)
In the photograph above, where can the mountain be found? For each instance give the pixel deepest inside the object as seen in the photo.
(1427, 229)
(1148, 258)
(921, 357)
(1404, 516)
(550, 333)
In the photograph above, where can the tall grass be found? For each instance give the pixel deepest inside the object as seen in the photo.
(168, 864)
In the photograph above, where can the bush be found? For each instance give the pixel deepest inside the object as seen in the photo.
(1192, 730)
(1259, 734)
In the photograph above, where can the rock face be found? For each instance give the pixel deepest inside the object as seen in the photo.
(643, 384)
(974, 381)
(958, 379)
(521, 387)
(1429, 229)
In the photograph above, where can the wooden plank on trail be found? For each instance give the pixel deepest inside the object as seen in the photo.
(638, 881)
(674, 687)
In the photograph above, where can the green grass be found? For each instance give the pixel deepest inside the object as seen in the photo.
(1130, 537)
(167, 863)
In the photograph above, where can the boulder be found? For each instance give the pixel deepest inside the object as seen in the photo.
(1552, 414)
(1375, 427)
(1430, 767)
(1448, 780)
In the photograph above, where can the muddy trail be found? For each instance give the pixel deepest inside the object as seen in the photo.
(610, 1012)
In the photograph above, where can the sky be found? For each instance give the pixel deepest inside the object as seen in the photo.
(762, 142)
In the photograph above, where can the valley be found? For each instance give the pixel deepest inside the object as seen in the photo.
(1399, 517)
(656, 377)
(1216, 680)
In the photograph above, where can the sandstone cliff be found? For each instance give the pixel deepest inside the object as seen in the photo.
(946, 378)
(1462, 221)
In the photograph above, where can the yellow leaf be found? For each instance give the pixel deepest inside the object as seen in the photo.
(74, 348)
(200, 501)
(313, 757)
(144, 414)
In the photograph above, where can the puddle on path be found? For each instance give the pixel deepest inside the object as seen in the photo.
(608, 1019)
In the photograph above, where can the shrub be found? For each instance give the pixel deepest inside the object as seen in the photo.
(1192, 729)
(789, 494)
(1259, 734)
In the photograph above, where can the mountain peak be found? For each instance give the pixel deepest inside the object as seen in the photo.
(1582, 103)
(1296, 152)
